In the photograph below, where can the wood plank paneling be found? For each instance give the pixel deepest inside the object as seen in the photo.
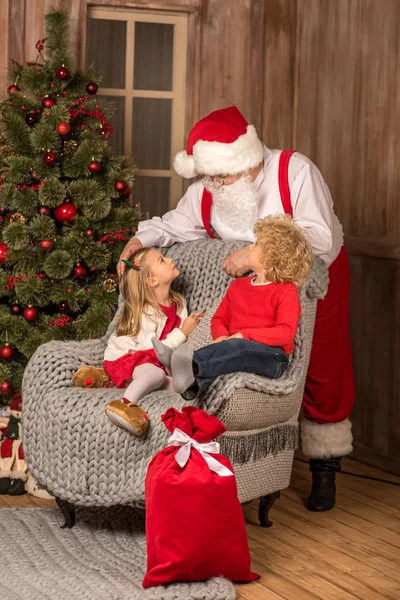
(374, 311)
(4, 36)
(232, 39)
(349, 109)
(348, 122)
(279, 73)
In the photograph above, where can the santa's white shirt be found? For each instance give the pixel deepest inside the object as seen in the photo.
(311, 201)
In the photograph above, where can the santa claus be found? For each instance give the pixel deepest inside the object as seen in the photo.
(243, 181)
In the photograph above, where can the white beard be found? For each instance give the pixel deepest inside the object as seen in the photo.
(236, 204)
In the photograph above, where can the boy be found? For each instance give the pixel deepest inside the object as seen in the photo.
(254, 327)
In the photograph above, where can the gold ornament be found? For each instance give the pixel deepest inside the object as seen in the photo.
(17, 218)
(70, 146)
(109, 285)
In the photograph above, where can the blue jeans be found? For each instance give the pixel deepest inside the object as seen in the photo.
(231, 356)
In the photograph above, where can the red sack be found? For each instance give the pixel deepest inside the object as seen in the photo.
(194, 522)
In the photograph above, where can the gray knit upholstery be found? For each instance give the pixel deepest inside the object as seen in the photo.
(79, 455)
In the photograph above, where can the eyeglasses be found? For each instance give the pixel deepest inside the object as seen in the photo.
(218, 179)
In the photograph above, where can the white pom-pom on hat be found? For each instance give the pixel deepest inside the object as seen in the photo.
(184, 165)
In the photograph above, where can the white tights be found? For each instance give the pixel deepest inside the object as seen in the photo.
(145, 379)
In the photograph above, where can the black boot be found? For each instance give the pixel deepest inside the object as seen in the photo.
(323, 491)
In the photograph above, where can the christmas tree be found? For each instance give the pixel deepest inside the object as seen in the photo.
(64, 209)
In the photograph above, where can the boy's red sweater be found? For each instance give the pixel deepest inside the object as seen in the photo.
(268, 314)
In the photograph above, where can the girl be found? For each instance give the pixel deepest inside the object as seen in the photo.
(255, 325)
(151, 309)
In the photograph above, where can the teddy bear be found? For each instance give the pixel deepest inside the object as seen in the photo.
(91, 377)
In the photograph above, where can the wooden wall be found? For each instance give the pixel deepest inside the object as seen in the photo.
(349, 124)
(320, 76)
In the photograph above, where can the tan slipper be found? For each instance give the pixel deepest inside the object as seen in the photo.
(130, 417)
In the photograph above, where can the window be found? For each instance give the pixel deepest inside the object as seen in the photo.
(142, 56)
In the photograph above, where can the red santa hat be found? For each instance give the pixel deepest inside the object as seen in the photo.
(223, 143)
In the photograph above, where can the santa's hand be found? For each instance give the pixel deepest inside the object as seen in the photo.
(236, 264)
(236, 335)
(131, 247)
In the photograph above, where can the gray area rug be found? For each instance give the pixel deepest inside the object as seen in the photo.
(102, 558)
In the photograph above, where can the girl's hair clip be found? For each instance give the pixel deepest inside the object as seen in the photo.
(131, 265)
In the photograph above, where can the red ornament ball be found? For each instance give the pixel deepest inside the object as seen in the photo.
(2, 210)
(63, 306)
(65, 212)
(95, 167)
(15, 309)
(13, 88)
(63, 128)
(92, 88)
(80, 271)
(3, 253)
(90, 232)
(48, 102)
(49, 158)
(6, 352)
(62, 73)
(35, 178)
(127, 193)
(31, 313)
(46, 244)
(120, 186)
(31, 119)
(44, 210)
(6, 388)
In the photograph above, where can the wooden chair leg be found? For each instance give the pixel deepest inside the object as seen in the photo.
(264, 507)
(68, 511)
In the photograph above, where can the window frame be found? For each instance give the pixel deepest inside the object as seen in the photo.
(177, 95)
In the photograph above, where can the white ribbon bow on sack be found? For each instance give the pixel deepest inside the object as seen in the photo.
(179, 438)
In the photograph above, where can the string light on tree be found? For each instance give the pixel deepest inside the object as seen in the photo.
(44, 210)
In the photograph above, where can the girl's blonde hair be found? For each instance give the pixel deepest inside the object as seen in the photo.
(139, 296)
(285, 252)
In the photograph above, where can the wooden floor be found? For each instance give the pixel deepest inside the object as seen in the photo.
(350, 552)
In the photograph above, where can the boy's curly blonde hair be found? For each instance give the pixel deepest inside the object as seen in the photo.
(285, 252)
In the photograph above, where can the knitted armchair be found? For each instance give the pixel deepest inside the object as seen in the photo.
(77, 454)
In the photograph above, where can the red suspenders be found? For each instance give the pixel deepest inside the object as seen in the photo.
(206, 202)
(283, 180)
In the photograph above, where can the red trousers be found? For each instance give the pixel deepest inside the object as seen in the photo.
(330, 391)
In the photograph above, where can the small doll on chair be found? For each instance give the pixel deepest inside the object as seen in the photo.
(254, 327)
